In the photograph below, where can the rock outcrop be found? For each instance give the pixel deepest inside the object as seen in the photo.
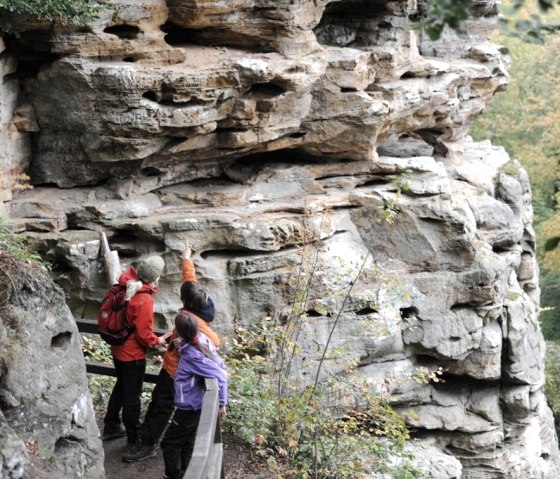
(317, 143)
(46, 407)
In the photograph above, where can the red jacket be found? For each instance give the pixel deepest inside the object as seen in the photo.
(140, 313)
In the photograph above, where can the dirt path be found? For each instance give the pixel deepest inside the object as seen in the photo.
(239, 464)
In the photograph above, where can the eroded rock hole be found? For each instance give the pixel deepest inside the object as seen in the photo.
(265, 90)
(57, 265)
(65, 443)
(426, 360)
(150, 95)
(432, 137)
(129, 59)
(498, 249)
(375, 181)
(406, 75)
(124, 32)
(150, 171)
(409, 313)
(29, 65)
(297, 135)
(176, 35)
(352, 22)
(61, 340)
(467, 305)
(167, 98)
(367, 310)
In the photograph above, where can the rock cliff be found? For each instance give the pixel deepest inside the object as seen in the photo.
(45, 405)
(324, 140)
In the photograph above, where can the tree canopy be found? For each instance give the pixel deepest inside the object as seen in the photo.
(532, 28)
(525, 119)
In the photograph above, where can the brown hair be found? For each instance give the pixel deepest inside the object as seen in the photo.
(193, 296)
(187, 328)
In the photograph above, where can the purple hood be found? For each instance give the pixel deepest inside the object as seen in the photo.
(193, 367)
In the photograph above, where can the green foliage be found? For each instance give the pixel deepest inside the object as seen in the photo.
(341, 428)
(444, 12)
(100, 387)
(66, 11)
(18, 247)
(95, 349)
(530, 28)
(525, 120)
(549, 316)
(552, 384)
(529, 21)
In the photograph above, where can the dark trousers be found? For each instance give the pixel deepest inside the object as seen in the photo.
(126, 397)
(178, 443)
(159, 410)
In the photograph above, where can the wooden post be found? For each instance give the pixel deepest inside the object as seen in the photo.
(111, 258)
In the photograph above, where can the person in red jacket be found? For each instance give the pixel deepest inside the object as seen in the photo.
(129, 358)
(200, 306)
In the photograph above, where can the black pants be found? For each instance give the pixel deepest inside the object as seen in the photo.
(159, 410)
(178, 443)
(126, 396)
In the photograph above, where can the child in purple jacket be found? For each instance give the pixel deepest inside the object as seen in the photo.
(198, 360)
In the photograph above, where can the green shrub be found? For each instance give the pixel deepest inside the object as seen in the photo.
(17, 246)
(72, 11)
(340, 428)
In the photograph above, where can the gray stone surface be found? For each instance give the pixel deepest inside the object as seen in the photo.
(46, 407)
(310, 151)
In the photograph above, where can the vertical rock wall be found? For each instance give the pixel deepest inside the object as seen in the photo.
(299, 143)
(45, 406)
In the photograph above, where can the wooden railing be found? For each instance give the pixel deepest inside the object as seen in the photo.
(207, 458)
(104, 369)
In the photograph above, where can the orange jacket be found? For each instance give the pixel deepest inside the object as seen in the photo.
(140, 313)
(171, 357)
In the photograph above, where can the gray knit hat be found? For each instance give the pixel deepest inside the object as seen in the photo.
(150, 269)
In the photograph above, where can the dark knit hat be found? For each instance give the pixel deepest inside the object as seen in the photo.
(207, 312)
(150, 269)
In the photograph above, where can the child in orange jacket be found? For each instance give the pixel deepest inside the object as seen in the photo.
(201, 306)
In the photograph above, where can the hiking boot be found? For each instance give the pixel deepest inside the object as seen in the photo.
(139, 453)
(109, 434)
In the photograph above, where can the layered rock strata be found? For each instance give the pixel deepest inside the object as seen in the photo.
(321, 144)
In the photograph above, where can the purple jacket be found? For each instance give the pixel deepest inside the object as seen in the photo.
(193, 367)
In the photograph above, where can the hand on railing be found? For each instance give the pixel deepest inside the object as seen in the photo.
(164, 338)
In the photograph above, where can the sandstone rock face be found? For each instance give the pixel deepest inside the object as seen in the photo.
(318, 147)
(45, 403)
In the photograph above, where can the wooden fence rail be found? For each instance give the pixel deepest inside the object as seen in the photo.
(207, 458)
(104, 369)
